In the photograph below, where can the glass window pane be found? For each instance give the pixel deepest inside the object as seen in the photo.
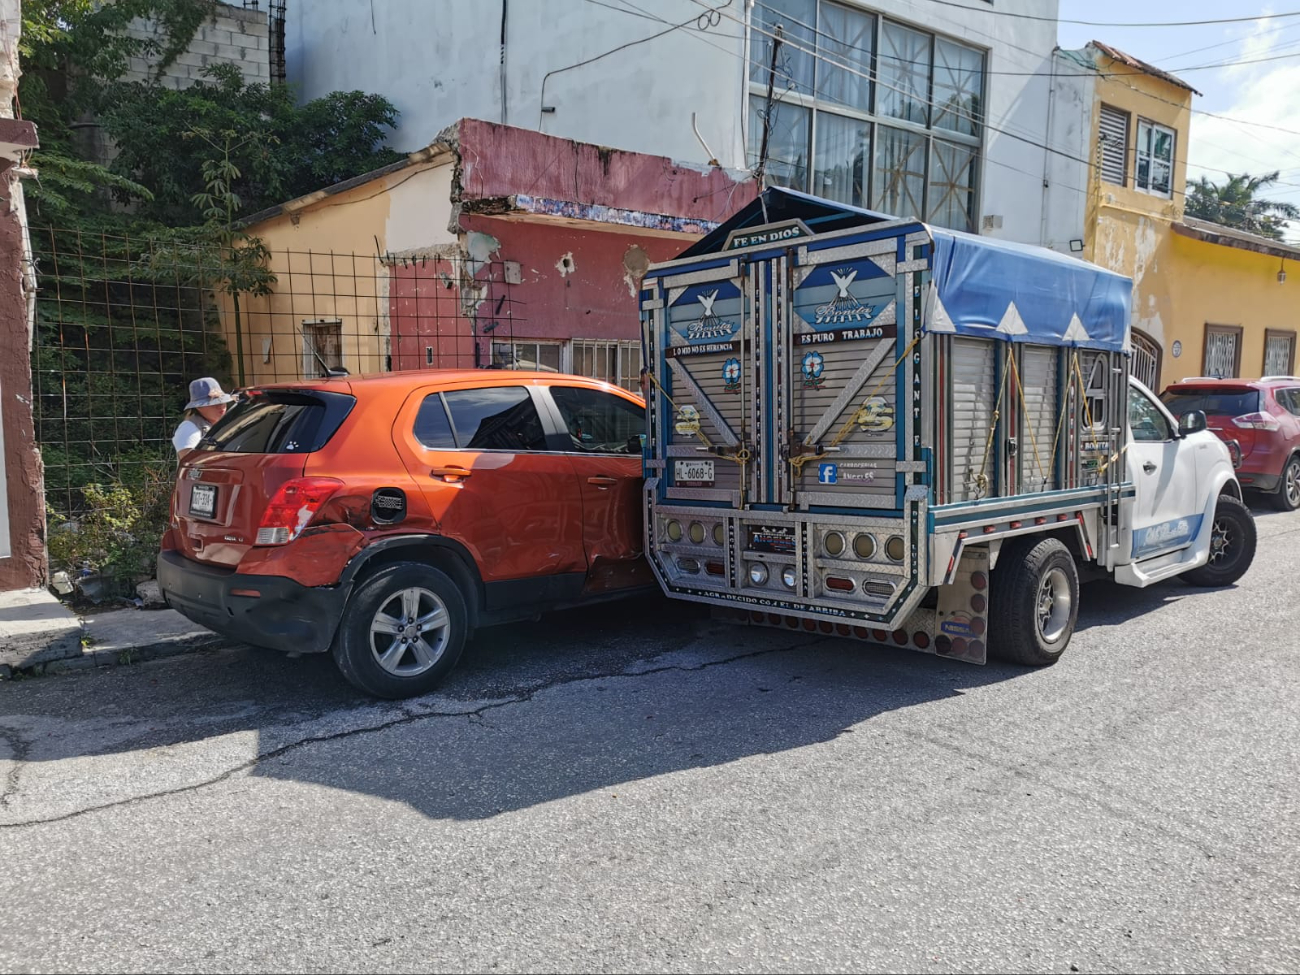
(1164, 145)
(432, 428)
(599, 422)
(794, 61)
(952, 186)
(843, 148)
(898, 176)
(958, 84)
(548, 357)
(787, 148)
(496, 418)
(1161, 175)
(904, 73)
(1145, 419)
(844, 65)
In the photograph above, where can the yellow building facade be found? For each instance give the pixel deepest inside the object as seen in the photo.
(1207, 300)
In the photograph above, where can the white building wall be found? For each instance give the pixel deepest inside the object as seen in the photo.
(1069, 174)
(437, 68)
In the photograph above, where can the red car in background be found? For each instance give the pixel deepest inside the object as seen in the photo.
(1262, 416)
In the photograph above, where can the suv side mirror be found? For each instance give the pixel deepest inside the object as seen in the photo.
(1193, 422)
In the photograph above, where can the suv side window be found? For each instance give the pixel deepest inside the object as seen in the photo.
(432, 427)
(1289, 400)
(495, 418)
(599, 422)
(1145, 418)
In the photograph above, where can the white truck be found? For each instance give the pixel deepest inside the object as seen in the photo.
(870, 427)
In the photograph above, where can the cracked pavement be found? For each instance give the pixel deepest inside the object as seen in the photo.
(640, 787)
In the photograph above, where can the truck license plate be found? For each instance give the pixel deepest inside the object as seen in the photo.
(693, 470)
(203, 500)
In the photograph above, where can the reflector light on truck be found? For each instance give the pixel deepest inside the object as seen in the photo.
(293, 508)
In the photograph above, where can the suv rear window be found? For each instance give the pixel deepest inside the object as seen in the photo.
(1212, 402)
(280, 421)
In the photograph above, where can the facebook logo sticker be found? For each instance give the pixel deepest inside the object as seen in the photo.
(827, 473)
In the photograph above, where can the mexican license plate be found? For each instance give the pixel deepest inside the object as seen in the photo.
(693, 470)
(203, 500)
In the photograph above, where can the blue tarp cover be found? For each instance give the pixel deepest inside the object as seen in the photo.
(997, 289)
(982, 286)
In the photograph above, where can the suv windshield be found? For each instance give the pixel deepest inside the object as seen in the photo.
(280, 422)
(1211, 402)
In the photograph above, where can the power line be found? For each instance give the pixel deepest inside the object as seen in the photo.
(1103, 23)
(984, 159)
(1059, 74)
(913, 95)
(1234, 40)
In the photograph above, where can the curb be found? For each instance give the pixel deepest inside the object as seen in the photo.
(93, 658)
(119, 638)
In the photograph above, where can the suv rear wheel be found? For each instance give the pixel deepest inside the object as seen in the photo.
(1288, 492)
(402, 632)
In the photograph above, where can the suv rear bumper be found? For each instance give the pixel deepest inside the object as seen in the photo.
(1259, 482)
(284, 616)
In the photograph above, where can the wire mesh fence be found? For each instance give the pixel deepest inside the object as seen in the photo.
(123, 325)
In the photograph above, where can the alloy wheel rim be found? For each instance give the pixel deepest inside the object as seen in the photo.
(1054, 604)
(408, 634)
(1293, 483)
(1220, 542)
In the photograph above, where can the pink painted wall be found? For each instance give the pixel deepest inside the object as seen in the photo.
(424, 312)
(502, 161)
(575, 283)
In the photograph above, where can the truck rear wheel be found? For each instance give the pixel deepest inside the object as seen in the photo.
(1034, 602)
(1232, 545)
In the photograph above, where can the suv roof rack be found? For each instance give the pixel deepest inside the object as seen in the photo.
(1280, 379)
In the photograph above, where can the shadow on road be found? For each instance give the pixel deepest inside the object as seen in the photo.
(581, 701)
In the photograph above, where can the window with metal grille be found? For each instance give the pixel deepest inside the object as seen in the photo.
(1146, 361)
(532, 356)
(1279, 352)
(1113, 148)
(617, 362)
(868, 111)
(1222, 351)
(322, 347)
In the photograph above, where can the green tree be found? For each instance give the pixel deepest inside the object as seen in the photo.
(241, 259)
(283, 149)
(70, 50)
(1235, 203)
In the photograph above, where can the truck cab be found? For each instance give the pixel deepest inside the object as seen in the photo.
(870, 427)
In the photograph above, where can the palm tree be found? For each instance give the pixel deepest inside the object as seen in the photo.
(1234, 204)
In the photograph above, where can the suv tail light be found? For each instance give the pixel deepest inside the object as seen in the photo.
(293, 508)
(1257, 421)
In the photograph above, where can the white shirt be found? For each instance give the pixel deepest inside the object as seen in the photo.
(188, 434)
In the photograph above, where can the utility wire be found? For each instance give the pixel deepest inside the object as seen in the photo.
(817, 55)
(1103, 23)
(1059, 74)
(642, 13)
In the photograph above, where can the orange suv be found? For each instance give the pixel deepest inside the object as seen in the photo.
(384, 518)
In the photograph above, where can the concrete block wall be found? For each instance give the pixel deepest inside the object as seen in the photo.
(233, 36)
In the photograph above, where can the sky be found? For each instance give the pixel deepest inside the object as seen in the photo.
(1267, 92)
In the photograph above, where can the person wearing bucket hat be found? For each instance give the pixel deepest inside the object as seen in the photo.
(207, 405)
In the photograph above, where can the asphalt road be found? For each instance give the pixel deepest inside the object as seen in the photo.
(642, 788)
